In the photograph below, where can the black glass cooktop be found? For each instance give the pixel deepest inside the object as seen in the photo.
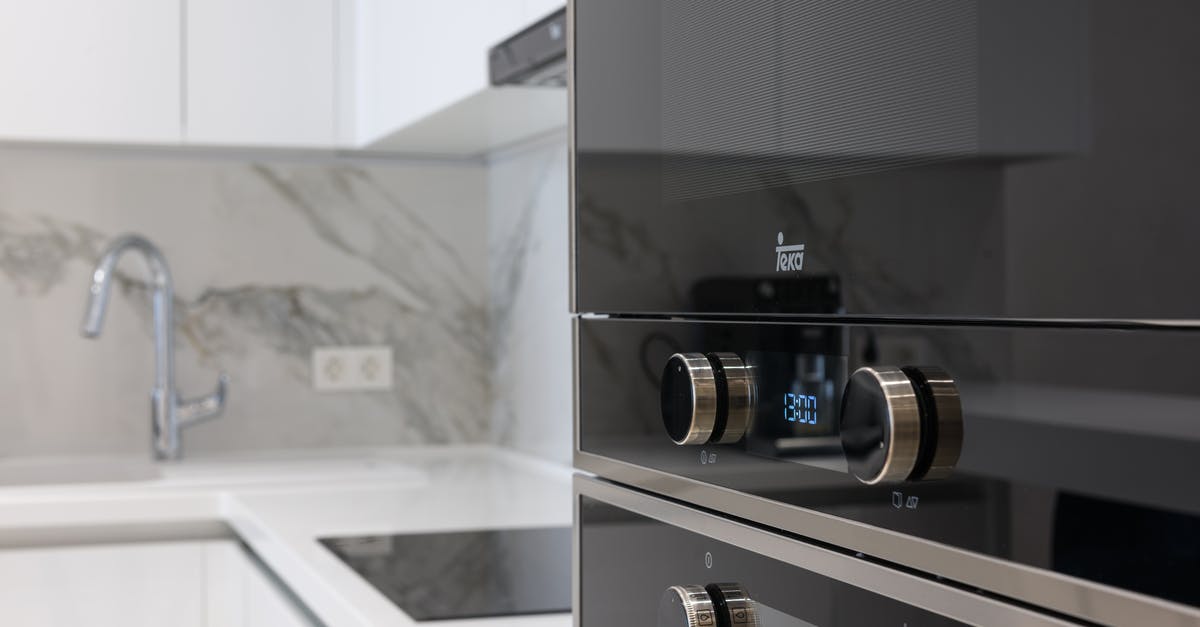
(439, 576)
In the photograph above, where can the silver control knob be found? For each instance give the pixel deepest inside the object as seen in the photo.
(901, 424)
(689, 398)
(686, 606)
(707, 398)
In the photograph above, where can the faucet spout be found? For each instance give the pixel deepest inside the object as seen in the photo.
(165, 406)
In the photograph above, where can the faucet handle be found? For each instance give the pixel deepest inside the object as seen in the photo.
(197, 410)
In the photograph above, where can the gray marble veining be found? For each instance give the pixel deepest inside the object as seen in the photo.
(530, 309)
(272, 260)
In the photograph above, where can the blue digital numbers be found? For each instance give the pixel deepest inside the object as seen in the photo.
(800, 408)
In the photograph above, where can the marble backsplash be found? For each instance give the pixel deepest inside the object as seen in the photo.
(530, 307)
(270, 260)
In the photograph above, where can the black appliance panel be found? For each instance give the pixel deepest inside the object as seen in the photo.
(628, 560)
(466, 574)
(1078, 450)
(946, 158)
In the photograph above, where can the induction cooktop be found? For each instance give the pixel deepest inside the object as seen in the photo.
(475, 574)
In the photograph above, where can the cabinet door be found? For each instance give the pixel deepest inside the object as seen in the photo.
(90, 71)
(260, 72)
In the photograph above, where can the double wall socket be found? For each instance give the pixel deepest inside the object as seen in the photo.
(350, 368)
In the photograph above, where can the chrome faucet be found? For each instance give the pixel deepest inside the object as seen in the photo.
(169, 416)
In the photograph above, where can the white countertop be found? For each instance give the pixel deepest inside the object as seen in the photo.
(281, 504)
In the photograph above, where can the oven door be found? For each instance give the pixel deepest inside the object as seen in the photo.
(945, 158)
(1056, 466)
(648, 562)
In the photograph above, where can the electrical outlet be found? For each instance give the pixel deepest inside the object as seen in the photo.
(349, 368)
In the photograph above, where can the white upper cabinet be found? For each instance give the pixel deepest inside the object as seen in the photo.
(90, 71)
(261, 72)
(388, 75)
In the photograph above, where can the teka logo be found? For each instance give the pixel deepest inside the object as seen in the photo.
(788, 258)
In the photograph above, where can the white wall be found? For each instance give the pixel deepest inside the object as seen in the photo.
(529, 286)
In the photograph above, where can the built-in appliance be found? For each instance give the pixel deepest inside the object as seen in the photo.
(535, 56)
(943, 158)
(650, 562)
(910, 281)
(1021, 460)
(467, 574)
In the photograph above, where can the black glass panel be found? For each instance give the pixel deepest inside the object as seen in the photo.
(947, 158)
(627, 561)
(1079, 448)
(437, 576)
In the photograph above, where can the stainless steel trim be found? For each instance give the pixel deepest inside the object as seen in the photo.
(575, 409)
(903, 424)
(741, 394)
(1054, 591)
(912, 589)
(704, 397)
(572, 288)
(575, 554)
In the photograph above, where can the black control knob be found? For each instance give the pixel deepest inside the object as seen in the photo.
(707, 398)
(686, 606)
(733, 604)
(901, 424)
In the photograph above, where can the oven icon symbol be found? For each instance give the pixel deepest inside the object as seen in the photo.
(899, 502)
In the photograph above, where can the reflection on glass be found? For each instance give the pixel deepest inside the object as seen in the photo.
(799, 399)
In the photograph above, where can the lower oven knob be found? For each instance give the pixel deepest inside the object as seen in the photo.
(733, 604)
(686, 606)
(901, 424)
(707, 398)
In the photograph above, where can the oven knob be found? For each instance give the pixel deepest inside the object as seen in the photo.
(901, 424)
(686, 606)
(737, 380)
(707, 398)
(733, 604)
(941, 422)
(689, 398)
(881, 425)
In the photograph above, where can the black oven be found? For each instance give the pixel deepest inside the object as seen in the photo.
(1053, 466)
(936, 158)
(913, 281)
(648, 562)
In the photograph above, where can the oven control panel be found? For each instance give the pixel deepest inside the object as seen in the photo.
(891, 423)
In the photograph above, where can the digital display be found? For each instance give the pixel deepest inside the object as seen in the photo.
(800, 408)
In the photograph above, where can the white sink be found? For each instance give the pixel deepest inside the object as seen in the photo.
(197, 583)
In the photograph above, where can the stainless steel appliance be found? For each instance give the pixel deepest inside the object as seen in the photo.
(906, 281)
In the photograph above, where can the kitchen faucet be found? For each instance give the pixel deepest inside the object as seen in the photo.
(168, 414)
